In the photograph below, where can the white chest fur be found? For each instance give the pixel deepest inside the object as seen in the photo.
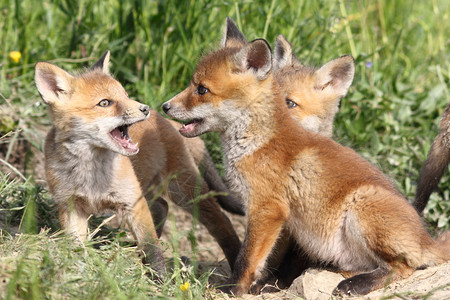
(90, 173)
(237, 143)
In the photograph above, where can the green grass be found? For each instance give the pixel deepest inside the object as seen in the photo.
(390, 114)
(52, 266)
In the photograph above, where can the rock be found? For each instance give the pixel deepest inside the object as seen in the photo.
(432, 283)
(315, 284)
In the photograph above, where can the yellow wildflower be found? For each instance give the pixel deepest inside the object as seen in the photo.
(15, 56)
(185, 286)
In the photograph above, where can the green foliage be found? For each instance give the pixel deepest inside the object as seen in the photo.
(49, 266)
(25, 207)
(390, 114)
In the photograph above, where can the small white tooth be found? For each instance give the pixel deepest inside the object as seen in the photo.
(137, 144)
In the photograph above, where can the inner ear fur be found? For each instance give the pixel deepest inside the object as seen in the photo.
(256, 56)
(283, 55)
(337, 75)
(51, 82)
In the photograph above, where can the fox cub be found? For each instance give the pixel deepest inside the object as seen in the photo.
(314, 109)
(340, 209)
(93, 163)
(313, 106)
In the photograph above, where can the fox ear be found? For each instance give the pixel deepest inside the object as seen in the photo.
(282, 54)
(232, 36)
(51, 82)
(337, 75)
(256, 56)
(103, 63)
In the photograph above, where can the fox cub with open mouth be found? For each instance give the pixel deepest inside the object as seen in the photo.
(339, 208)
(93, 163)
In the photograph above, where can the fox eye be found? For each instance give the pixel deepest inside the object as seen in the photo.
(290, 103)
(201, 90)
(105, 103)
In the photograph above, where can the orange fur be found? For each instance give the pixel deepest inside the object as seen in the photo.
(340, 209)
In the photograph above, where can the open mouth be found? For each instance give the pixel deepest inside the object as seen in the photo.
(120, 135)
(189, 126)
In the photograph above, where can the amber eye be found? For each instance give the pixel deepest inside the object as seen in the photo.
(201, 90)
(290, 103)
(105, 103)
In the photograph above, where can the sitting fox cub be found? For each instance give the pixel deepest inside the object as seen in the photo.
(339, 208)
(314, 109)
(93, 162)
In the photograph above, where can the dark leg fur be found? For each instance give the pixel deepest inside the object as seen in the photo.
(208, 213)
(284, 265)
(216, 184)
(295, 262)
(159, 210)
(362, 284)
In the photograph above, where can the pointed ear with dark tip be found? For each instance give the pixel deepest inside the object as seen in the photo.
(256, 56)
(337, 75)
(232, 36)
(103, 63)
(282, 54)
(52, 82)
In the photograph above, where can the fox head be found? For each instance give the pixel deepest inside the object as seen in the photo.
(312, 95)
(91, 108)
(222, 84)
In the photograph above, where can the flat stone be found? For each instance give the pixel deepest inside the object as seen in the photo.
(315, 284)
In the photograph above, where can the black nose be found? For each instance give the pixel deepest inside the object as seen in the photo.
(166, 107)
(145, 109)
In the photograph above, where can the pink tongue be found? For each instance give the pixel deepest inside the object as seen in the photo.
(124, 141)
(187, 127)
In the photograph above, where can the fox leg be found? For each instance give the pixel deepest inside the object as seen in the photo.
(141, 225)
(396, 243)
(215, 183)
(159, 209)
(182, 190)
(73, 219)
(220, 227)
(264, 227)
(364, 283)
(285, 263)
